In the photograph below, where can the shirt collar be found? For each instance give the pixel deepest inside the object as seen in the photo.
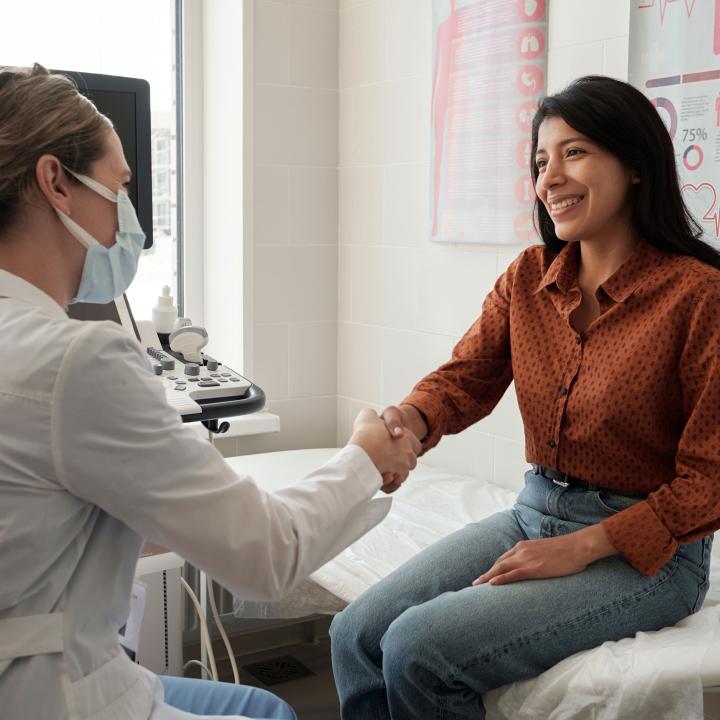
(563, 269)
(619, 286)
(12, 286)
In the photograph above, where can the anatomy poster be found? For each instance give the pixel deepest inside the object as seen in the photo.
(675, 60)
(489, 70)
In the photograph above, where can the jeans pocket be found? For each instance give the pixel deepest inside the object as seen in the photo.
(613, 503)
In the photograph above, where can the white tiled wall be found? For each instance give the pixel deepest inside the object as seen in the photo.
(404, 301)
(295, 188)
(352, 303)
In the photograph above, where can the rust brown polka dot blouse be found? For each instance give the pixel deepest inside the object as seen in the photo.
(631, 404)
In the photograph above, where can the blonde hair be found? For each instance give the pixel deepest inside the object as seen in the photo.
(43, 113)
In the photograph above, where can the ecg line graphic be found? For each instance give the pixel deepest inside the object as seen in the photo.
(689, 7)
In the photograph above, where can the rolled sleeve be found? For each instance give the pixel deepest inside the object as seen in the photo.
(639, 535)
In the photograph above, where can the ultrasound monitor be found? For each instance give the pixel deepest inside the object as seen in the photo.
(118, 311)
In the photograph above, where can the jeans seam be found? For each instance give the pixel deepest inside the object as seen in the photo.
(568, 623)
(704, 581)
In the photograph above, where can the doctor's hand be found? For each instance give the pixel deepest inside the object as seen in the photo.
(402, 420)
(550, 557)
(393, 457)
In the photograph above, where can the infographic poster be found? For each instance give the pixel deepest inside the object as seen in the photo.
(675, 60)
(489, 69)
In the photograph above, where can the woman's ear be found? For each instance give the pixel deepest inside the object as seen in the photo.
(52, 183)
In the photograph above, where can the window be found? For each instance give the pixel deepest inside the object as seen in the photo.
(135, 38)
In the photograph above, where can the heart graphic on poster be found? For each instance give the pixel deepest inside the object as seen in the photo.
(701, 201)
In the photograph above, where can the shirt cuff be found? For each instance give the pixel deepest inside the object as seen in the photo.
(432, 409)
(638, 534)
(367, 474)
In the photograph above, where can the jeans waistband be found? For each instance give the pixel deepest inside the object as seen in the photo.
(570, 481)
(563, 479)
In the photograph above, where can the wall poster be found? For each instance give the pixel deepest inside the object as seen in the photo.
(489, 68)
(675, 60)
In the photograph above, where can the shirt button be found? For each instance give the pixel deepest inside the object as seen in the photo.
(578, 339)
(552, 443)
(563, 391)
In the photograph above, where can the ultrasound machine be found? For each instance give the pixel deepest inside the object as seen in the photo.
(197, 385)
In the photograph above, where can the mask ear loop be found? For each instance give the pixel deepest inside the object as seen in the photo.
(79, 233)
(99, 188)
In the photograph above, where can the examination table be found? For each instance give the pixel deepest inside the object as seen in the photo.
(661, 675)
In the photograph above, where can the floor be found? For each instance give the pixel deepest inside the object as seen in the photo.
(312, 697)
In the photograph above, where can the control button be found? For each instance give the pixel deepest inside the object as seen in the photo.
(180, 388)
(212, 365)
(226, 374)
(208, 383)
(563, 391)
(552, 444)
(172, 377)
(157, 368)
(232, 379)
(168, 363)
(194, 379)
(214, 374)
(222, 380)
(192, 369)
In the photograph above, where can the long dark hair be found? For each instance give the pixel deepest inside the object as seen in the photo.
(622, 120)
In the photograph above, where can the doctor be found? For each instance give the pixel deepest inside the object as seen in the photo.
(92, 459)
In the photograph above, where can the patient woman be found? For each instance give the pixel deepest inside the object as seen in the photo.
(611, 332)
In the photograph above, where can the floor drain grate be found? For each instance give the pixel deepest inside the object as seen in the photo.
(278, 670)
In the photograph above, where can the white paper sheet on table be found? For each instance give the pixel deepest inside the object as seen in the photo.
(653, 676)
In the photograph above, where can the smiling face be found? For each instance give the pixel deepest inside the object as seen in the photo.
(586, 190)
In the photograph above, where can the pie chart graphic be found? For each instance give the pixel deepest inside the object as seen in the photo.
(662, 103)
(693, 157)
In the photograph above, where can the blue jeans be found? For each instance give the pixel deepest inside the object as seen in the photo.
(423, 644)
(203, 697)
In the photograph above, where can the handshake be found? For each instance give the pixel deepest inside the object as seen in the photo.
(391, 441)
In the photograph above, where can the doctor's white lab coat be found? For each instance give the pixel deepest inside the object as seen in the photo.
(92, 459)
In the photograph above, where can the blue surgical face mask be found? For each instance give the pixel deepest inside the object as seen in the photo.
(107, 272)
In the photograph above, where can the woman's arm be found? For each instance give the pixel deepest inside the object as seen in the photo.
(467, 387)
(687, 508)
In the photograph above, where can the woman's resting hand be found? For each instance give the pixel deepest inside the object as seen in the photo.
(550, 557)
(394, 457)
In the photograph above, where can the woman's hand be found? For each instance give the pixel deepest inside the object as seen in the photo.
(399, 420)
(549, 557)
(393, 457)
